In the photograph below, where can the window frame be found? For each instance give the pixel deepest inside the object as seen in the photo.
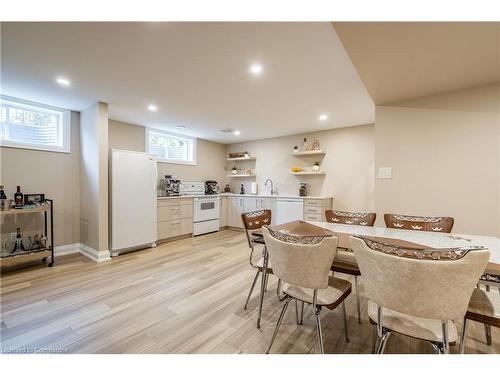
(149, 130)
(65, 128)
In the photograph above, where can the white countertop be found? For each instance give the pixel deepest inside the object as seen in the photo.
(247, 195)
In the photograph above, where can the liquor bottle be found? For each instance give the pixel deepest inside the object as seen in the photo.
(2, 193)
(18, 245)
(18, 198)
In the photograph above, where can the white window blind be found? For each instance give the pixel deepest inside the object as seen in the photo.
(32, 125)
(170, 147)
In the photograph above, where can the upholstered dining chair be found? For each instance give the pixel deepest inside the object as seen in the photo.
(422, 223)
(252, 221)
(302, 265)
(484, 307)
(417, 292)
(345, 262)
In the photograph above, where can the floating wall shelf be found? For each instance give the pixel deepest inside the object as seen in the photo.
(240, 175)
(241, 159)
(310, 173)
(306, 153)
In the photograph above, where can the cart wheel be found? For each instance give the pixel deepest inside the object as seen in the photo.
(44, 260)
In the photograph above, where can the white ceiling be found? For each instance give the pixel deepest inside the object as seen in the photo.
(404, 60)
(196, 73)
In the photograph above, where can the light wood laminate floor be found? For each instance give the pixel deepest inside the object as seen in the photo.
(185, 296)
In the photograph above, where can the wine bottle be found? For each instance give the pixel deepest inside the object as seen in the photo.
(18, 245)
(2, 193)
(18, 198)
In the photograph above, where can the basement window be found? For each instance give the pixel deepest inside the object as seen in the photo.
(34, 126)
(170, 147)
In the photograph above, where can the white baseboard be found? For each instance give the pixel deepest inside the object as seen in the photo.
(95, 255)
(72, 248)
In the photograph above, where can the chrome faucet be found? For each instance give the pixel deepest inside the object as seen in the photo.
(273, 190)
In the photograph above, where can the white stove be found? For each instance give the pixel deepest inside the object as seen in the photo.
(206, 208)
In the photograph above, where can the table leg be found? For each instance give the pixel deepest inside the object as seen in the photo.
(262, 285)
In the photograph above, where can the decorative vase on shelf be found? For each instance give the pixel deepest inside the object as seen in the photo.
(234, 170)
(295, 149)
(316, 167)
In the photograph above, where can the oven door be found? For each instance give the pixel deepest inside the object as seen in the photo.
(206, 209)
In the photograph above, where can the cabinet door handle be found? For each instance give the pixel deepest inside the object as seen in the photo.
(176, 223)
(175, 209)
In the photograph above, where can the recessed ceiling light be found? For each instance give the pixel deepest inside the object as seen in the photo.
(256, 69)
(63, 81)
(180, 126)
(152, 108)
(237, 132)
(323, 117)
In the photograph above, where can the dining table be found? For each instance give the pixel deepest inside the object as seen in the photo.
(432, 240)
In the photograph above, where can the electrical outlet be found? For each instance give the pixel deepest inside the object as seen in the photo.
(384, 172)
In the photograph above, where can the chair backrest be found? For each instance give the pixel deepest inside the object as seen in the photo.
(423, 282)
(351, 218)
(255, 220)
(422, 223)
(301, 261)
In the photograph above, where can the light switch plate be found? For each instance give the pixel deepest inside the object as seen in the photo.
(385, 172)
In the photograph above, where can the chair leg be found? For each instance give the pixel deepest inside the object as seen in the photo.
(301, 312)
(251, 289)
(487, 333)
(446, 341)
(464, 336)
(297, 312)
(358, 305)
(262, 291)
(345, 322)
(319, 331)
(278, 324)
(267, 279)
(383, 341)
(374, 339)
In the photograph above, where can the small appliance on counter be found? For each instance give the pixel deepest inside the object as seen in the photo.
(191, 188)
(171, 185)
(254, 190)
(303, 189)
(211, 187)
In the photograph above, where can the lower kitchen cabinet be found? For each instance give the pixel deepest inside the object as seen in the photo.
(223, 212)
(175, 218)
(174, 228)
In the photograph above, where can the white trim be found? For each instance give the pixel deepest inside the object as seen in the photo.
(66, 128)
(177, 135)
(72, 248)
(95, 255)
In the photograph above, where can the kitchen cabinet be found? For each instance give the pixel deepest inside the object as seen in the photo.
(174, 218)
(236, 206)
(223, 212)
(314, 209)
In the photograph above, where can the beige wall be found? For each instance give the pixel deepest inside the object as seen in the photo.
(210, 155)
(444, 154)
(53, 173)
(349, 165)
(94, 177)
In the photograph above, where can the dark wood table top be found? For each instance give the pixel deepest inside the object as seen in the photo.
(298, 228)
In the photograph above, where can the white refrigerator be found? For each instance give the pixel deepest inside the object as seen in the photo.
(132, 186)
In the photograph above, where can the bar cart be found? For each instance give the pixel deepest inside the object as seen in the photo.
(47, 251)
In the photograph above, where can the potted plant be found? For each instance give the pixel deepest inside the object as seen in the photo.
(316, 166)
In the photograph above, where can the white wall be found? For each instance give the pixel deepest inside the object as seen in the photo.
(349, 165)
(445, 155)
(210, 155)
(53, 173)
(94, 177)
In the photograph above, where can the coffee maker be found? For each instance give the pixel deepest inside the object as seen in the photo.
(211, 187)
(303, 189)
(171, 185)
